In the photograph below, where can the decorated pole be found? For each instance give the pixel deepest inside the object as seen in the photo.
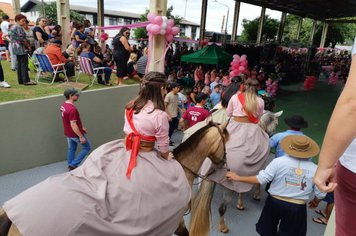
(158, 7)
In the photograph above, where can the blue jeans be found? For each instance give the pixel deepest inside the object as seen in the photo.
(72, 148)
(107, 72)
(172, 126)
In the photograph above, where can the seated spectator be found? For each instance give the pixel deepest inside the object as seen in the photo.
(55, 33)
(196, 113)
(40, 50)
(71, 54)
(131, 65)
(216, 95)
(142, 63)
(262, 91)
(84, 51)
(55, 55)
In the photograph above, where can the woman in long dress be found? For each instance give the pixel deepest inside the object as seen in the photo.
(125, 187)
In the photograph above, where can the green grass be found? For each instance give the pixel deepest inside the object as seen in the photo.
(19, 92)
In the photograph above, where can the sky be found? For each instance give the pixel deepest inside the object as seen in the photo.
(190, 8)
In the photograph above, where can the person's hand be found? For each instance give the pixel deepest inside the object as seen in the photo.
(170, 119)
(324, 175)
(170, 156)
(86, 40)
(82, 140)
(313, 203)
(85, 130)
(231, 176)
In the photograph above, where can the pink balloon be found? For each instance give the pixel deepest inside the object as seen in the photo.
(232, 74)
(155, 29)
(175, 30)
(236, 72)
(169, 29)
(149, 33)
(244, 63)
(242, 59)
(158, 20)
(151, 17)
(232, 63)
(241, 68)
(237, 60)
(149, 27)
(169, 37)
(236, 57)
(170, 22)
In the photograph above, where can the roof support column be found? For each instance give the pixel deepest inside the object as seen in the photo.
(236, 20)
(204, 7)
(323, 35)
(281, 27)
(159, 7)
(16, 7)
(312, 33)
(63, 18)
(260, 27)
(299, 27)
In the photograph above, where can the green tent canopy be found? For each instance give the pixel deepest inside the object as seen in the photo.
(212, 54)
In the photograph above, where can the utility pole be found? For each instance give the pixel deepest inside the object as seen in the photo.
(185, 10)
(222, 25)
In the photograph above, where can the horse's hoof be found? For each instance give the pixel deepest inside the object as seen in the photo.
(257, 199)
(241, 208)
(225, 230)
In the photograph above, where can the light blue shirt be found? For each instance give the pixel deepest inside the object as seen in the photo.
(285, 183)
(275, 140)
(213, 84)
(215, 97)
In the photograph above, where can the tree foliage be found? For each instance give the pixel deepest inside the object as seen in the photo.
(1, 14)
(51, 13)
(142, 32)
(249, 33)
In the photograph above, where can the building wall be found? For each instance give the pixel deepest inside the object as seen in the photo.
(32, 130)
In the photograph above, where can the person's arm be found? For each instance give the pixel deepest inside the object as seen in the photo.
(4, 36)
(72, 34)
(124, 42)
(314, 202)
(245, 179)
(78, 39)
(39, 37)
(192, 97)
(230, 106)
(76, 130)
(97, 59)
(181, 121)
(47, 30)
(92, 34)
(169, 117)
(162, 128)
(338, 137)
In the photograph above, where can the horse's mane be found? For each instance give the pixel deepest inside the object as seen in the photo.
(193, 140)
(267, 119)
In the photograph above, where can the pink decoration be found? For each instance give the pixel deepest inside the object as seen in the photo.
(244, 63)
(155, 29)
(175, 30)
(170, 22)
(158, 20)
(169, 37)
(241, 68)
(204, 42)
(103, 37)
(149, 27)
(272, 87)
(151, 17)
(232, 74)
(169, 29)
(236, 72)
(309, 82)
(333, 78)
(236, 57)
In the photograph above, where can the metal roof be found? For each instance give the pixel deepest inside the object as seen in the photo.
(314, 9)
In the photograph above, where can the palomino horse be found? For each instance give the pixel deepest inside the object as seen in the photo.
(199, 221)
(190, 155)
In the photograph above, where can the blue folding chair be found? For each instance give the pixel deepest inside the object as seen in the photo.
(45, 65)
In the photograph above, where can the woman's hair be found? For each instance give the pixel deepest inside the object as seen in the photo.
(38, 20)
(81, 47)
(230, 91)
(75, 24)
(187, 93)
(269, 103)
(18, 17)
(121, 32)
(145, 51)
(250, 91)
(46, 43)
(132, 56)
(56, 28)
(194, 87)
(86, 23)
(243, 76)
(79, 26)
(150, 90)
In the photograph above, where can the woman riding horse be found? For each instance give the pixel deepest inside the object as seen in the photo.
(125, 187)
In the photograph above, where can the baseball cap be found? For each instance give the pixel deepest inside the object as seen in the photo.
(57, 41)
(5, 17)
(174, 84)
(71, 91)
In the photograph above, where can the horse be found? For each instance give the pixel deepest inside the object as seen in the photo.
(190, 155)
(200, 215)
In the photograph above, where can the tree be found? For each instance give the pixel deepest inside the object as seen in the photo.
(51, 13)
(1, 14)
(337, 34)
(142, 32)
(249, 33)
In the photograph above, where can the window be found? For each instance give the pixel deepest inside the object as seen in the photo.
(121, 20)
(194, 32)
(182, 30)
(127, 21)
(95, 20)
(113, 21)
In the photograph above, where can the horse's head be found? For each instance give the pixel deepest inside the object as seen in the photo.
(269, 122)
(216, 138)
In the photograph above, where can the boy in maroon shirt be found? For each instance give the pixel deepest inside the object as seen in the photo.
(73, 129)
(197, 113)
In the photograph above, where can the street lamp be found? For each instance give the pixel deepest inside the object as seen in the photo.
(227, 18)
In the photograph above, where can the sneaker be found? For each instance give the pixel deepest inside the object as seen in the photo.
(5, 84)
(171, 143)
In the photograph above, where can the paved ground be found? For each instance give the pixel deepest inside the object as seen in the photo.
(241, 223)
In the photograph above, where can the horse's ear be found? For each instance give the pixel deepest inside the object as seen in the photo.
(224, 125)
(209, 119)
(278, 114)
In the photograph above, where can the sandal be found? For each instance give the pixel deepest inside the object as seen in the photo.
(30, 83)
(108, 84)
(320, 213)
(319, 221)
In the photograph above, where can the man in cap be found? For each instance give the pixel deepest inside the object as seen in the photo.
(291, 178)
(295, 123)
(73, 129)
(171, 103)
(197, 113)
(5, 29)
(55, 55)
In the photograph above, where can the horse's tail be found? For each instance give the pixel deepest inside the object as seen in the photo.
(200, 217)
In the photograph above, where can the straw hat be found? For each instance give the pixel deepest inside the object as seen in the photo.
(299, 146)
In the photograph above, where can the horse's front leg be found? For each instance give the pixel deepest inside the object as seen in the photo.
(227, 197)
(257, 192)
(182, 230)
(240, 204)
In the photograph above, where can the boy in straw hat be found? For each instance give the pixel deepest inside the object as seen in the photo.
(291, 178)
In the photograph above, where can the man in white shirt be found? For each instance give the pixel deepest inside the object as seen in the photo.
(5, 29)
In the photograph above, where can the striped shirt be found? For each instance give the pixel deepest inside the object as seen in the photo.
(141, 65)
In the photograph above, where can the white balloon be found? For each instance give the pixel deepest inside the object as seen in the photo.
(162, 32)
(165, 19)
(164, 25)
